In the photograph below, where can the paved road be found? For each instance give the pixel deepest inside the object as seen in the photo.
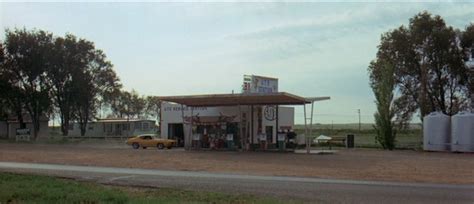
(308, 189)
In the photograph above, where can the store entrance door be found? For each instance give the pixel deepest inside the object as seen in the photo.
(176, 132)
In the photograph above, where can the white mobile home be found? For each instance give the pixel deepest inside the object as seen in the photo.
(114, 128)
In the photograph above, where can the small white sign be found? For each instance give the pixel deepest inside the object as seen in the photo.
(197, 137)
(230, 137)
(262, 137)
(23, 134)
(281, 136)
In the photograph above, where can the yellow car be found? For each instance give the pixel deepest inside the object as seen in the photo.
(149, 140)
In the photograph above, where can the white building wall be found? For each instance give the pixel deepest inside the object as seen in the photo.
(286, 117)
(96, 129)
(92, 130)
(171, 113)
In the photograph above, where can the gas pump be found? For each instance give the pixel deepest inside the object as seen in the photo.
(230, 141)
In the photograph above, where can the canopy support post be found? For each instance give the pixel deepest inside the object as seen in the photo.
(241, 135)
(308, 131)
(251, 126)
(191, 130)
(277, 129)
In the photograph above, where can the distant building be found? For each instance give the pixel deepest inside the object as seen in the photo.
(114, 128)
(9, 127)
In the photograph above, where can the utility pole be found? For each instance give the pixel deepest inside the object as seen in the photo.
(358, 111)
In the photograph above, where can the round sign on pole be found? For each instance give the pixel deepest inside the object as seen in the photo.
(270, 113)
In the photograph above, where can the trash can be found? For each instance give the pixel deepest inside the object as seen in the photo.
(230, 141)
(281, 141)
(350, 141)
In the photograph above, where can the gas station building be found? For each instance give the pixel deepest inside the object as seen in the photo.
(259, 117)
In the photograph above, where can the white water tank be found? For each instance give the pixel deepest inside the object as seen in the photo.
(462, 132)
(436, 132)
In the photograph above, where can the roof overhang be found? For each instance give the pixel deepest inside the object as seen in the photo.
(279, 98)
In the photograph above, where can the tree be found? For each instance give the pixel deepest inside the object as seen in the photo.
(138, 104)
(429, 68)
(382, 81)
(153, 107)
(81, 79)
(25, 67)
(467, 38)
(42, 74)
(121, 105)
(66, 62)
(11, 99)
(467, 44)
(129, 104)
(2, 53)
(3, 87)
(93, 84)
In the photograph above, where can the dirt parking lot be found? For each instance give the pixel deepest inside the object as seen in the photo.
(358, 164)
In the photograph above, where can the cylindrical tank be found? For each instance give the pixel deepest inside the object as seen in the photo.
(436, 132)
(462, 132)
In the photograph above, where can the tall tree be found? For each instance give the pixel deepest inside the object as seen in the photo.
(66, 62)
(2, 53)
(26, 66)
(4, 106)
(94, 83)
(11, 99)
(429, 68)
(382, 81)
(467, 40)
(467, 43)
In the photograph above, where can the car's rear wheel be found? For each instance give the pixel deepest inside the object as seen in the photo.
(160, 146)
(135, 145)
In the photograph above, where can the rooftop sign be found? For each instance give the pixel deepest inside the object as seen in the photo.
(259, 84)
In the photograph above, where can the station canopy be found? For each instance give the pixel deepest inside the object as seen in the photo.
(277, 98)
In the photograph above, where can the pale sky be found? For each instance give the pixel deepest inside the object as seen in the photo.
(315, 49)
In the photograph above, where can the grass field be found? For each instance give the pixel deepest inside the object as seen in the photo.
(42, 189)
(411, 138)
(406, 139)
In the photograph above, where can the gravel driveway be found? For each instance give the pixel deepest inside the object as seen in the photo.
(357, 164)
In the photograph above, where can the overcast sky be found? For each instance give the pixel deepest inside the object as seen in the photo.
(315, 49)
